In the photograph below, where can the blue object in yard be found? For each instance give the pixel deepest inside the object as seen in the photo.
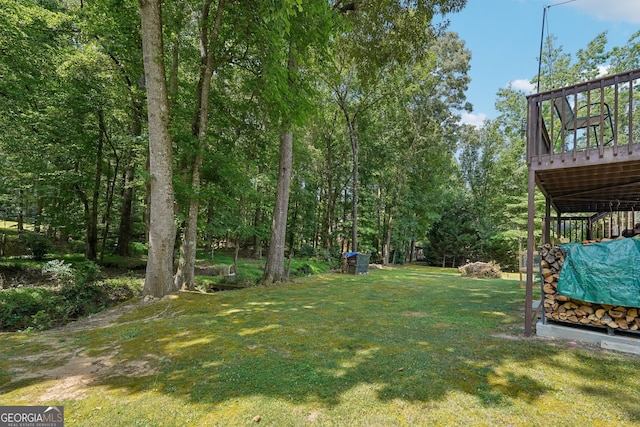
(357, 262)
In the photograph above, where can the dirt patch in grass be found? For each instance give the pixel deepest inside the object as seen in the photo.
(105, 318)
(70, 368)
(415, 314)
(81, 371)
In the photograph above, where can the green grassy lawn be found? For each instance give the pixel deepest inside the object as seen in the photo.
(251, 269)
(404, 346)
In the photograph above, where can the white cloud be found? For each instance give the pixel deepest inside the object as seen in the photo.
(603, 70)
(476, 120)
(524, 85)
(611, 10)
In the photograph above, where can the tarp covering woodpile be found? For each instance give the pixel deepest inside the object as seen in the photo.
(605, 272)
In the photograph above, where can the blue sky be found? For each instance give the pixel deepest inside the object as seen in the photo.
(504, 39)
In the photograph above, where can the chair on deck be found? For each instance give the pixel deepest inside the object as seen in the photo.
(571, 123)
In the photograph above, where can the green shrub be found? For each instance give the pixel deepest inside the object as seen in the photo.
(18, 307)
(58, 270)
(303, 270)
(37, 244)
(307, 251)
(328, 256)
(80, 299)
(78, 294)
(41, 320)
(87, 271)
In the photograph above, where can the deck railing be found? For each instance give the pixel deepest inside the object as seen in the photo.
(605, 225)
(585, 120)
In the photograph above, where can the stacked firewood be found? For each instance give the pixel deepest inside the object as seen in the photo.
(559, 307)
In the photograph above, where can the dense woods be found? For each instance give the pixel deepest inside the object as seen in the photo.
(278, 128)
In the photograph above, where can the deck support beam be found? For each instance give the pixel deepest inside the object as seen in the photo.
(528, 309)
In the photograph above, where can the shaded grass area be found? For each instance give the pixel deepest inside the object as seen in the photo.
(404, 346)
(250, 270)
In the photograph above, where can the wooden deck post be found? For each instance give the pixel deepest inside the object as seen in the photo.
(528, 309)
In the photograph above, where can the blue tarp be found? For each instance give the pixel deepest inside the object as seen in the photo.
(603, 273)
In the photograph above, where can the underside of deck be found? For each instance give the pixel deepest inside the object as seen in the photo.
(610, 183)
(583, 155)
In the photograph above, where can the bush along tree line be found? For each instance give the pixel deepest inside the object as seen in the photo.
(61, 293)
(279, 128)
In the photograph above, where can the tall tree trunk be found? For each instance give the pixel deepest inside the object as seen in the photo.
(125, 229)
(175, 55)
(159, 275)
(185, 274)
(386, 249)
(331, 197)
(111, 186)
(355, 147)
(293, 227)
(21, 210)
(86, 213)
(390, 214)
(412, 251)
(39, 208)
(274, 269)
(91, 214)
(257, 219)
(380, 218)
(257, 241)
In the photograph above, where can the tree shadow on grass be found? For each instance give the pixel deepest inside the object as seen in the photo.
(324, 376)
(415, 342)
(321, 348)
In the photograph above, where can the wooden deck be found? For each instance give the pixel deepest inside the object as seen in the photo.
(583, 154)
